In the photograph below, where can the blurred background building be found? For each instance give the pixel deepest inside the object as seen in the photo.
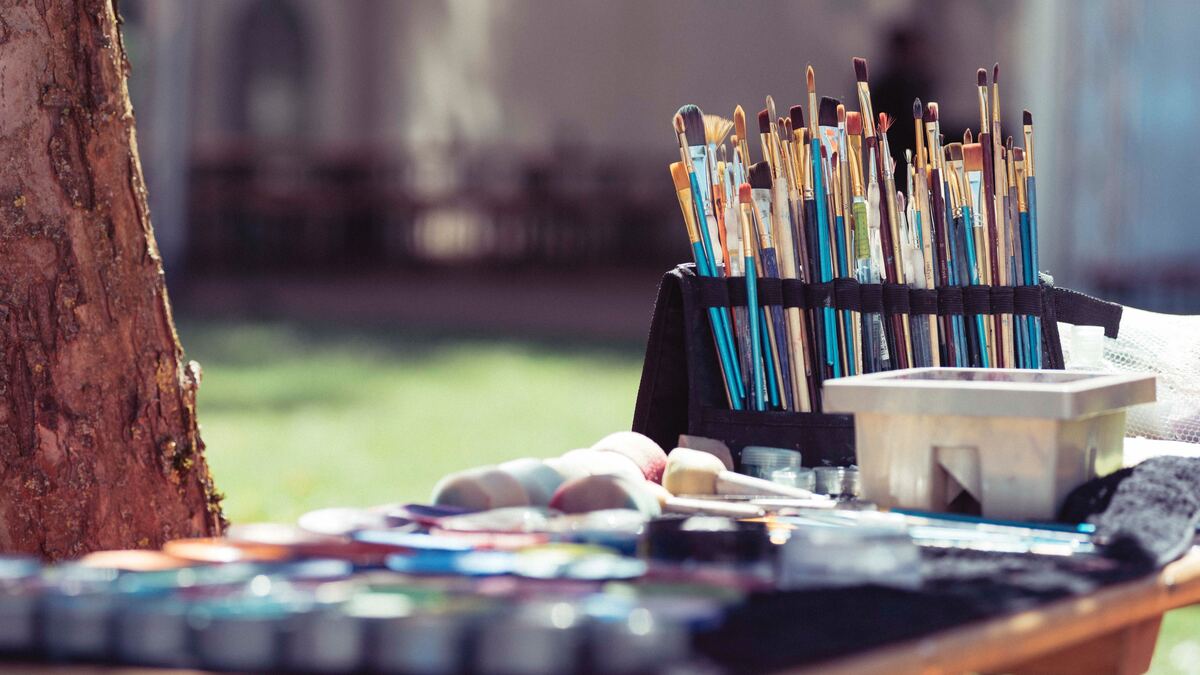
(524, 143)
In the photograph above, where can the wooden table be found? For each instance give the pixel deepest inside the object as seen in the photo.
(1110, 631)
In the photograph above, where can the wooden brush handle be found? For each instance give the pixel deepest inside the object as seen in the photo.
(711, 507)
(730, 483)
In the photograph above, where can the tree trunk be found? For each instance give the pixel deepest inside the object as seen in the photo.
(99, 445)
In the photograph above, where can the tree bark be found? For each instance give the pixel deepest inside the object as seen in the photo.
(99, 444)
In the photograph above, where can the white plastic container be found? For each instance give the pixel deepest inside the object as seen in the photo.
(1016, 442)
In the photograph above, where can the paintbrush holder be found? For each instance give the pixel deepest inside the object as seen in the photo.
(682, 392)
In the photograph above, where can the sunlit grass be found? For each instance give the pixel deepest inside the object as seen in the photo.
(296, 417)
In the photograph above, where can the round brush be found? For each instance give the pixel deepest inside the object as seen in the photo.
(692, 472)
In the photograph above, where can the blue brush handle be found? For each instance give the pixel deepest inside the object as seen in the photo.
(770, 262)
(732, 379)
(973, 267)
(1027, 263)
(721, 322)
(823, 258)
(1031, 204)
(752, 308)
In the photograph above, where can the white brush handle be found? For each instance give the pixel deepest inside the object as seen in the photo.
(730, 483)
(711, 507)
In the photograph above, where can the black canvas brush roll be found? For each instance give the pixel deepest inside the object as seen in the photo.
(681, 390)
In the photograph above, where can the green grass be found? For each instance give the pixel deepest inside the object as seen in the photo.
(298, 417)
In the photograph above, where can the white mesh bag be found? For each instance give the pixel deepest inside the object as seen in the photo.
(1167, 345)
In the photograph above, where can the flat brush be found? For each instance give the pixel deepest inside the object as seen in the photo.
(739, 128)
(920, 197)
(685, 184)
(938, 224)
(850, 319)
(692, 147)
(1018, 159)
(777, 350)
(823, 244)
(764, 139)
(758, 393)
(971, 179)
(827, 124)
(1031, 206)
(1000, 195)
(787, 247)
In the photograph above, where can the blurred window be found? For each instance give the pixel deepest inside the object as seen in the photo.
(271, 72)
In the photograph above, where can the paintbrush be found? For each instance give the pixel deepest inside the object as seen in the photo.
(685, 181)
(851, 319)
(1021, 329)
(1031, 206)
(972, 177)
(922, 224)
(829, 325)
(761, 194)
(733, 235)
(827, 119)
(758, 392)
(1020, 168)
(1000, 195)
(893, 238)
(993, 216)
(937, 222)
(790, 267)
(692, 146)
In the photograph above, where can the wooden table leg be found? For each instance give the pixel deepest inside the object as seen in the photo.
(1122, 652)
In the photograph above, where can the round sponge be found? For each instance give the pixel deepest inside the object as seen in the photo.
(644, 452)
(539, 479)
(595, 493)
(480, 489)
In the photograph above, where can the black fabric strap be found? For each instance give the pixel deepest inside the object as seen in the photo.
(950, 300)
(1084, 310)
(923, 301)
(872, 298)
(1002, 299)
(977, 299)
(820, 295)
(1027, 300)
(895, 299)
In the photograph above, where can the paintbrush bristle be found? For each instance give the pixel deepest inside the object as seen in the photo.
(1019, 154)
(981, 77)
(693, 124)
(854, 123)
(956, 152)
(796, 112)
(679, 175)
(787, 128)
(716, 128)
(860, 69)
(918, 109)
(760, 176)
(968, 137)
(996, 73)
(908, 155)
(771, 106)
(827, 112)
(764, 121)
(1026, 118)
(739, 122)
(810, 78)
(885, 122)
(972, 156)
(678, 122)
(745, 194)
(933, 112)
(841, 113)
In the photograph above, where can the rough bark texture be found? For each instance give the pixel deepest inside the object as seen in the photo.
(99, 446)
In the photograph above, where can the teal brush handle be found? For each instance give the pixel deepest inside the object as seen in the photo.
(1032, 265)
(756, 353)
(1027, 262)
(973, 270)
(721, 327)
(732, 379)
(823, 258)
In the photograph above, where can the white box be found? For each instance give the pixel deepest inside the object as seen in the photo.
(1015, 441)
